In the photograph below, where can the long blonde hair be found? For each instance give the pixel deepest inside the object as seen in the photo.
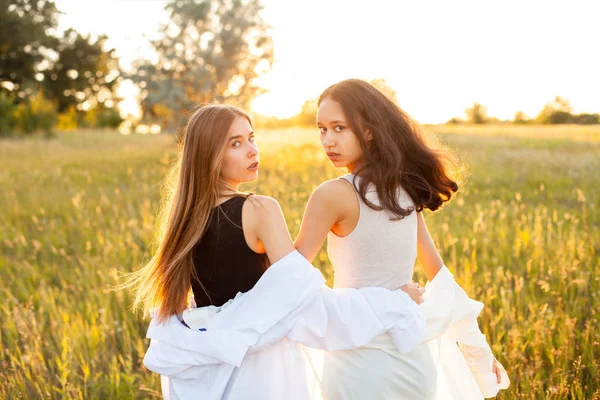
(164, 283)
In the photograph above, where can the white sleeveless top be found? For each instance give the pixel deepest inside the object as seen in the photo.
(379, 251)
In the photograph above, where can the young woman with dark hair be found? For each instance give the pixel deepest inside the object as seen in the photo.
(374, 223)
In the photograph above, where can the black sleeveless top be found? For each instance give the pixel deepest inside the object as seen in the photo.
(224, 263)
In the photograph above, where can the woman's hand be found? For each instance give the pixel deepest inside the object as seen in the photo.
(496, 370)
(415, 291)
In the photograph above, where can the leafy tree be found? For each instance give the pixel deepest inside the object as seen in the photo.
(83, 73)
(25, 37)
(586, 119)
(477, 114)
(37, 112)
(44, 73)
(557, 112)
(210, 50)
(102, 117)
(520, 118)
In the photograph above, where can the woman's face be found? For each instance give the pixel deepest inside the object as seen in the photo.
(339, 142)
(240, 163)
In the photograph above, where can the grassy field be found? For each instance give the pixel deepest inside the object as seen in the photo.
(522, 236)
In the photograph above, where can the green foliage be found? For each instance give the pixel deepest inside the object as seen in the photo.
(68, 120)
(24, 36)
(477, 114)
(551, 116)
(110, 118)
(36, 113)
(83, 73)
(7, 109)
(71, 70)
(101, 117)
(520, 118)
(209, 51)
(557, 112)
(586, 119)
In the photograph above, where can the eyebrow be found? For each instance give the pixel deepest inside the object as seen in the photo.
(337, 121)
(241, 136)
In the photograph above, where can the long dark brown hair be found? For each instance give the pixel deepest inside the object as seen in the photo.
(164, 284)
(398, 154)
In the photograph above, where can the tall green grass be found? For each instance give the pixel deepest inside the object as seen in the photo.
(522, 236)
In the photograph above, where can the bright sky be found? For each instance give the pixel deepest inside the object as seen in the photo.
(439, 56)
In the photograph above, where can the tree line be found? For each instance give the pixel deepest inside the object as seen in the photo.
(558, 111)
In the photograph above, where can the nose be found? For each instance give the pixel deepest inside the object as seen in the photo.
(253, 150)
(328, 140)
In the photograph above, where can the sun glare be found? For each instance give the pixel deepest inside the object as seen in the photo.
(273, 105)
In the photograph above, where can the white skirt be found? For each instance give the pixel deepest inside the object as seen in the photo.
(453, 363)
(379, 372)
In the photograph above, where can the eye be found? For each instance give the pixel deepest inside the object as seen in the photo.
(322, 130)
(236, 144)
(339, 128)
(251, 139)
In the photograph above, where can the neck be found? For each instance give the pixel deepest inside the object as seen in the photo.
(358, 168)
(352, 168)
(228, 189)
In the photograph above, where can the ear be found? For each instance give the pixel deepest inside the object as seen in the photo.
(369, 135)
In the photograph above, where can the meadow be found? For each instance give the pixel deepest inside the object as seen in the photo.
(76, 210)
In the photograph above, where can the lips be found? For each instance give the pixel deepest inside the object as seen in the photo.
(253, 166)
(333, 156)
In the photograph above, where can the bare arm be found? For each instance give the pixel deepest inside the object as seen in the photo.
(427, 253)
(267, 224)
(324, 209)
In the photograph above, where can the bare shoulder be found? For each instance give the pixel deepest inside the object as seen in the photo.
(263, 203)
(333, 188)
(261, 207)
(336, 191)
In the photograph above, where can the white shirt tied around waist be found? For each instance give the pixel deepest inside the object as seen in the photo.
(289, 303)
(258, 334)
